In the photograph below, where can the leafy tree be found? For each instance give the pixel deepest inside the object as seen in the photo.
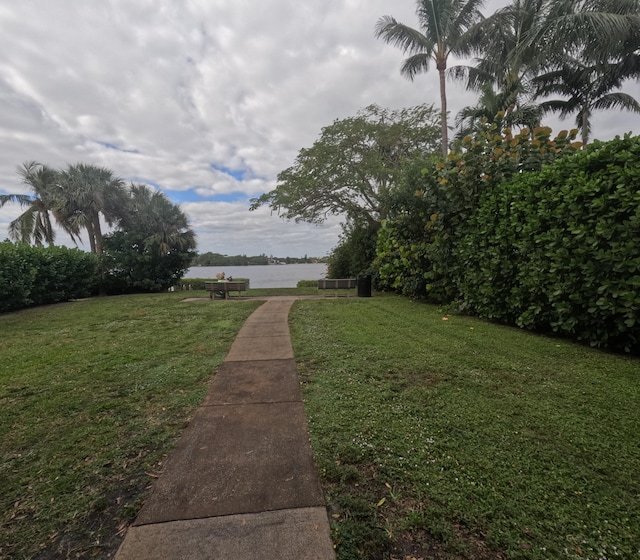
(153, 246)
(444, 30)
(34, 224)
(88, 192)
(353, 166)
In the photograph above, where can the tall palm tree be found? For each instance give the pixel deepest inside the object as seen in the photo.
(89, 192)
(35, 224)
(585, 88)
(444, 30)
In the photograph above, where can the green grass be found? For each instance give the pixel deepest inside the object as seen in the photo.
(93, 394)
(435, 439)
(446, 437)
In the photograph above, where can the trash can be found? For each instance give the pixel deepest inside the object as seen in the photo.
(363, 285)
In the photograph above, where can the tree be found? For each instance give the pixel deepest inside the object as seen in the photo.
(353, 166)
(446, 26)
(593, 30)
(34, 224)
(504, 67)
(152, 247)
(89, 192)
(490, 104)
(586, 88)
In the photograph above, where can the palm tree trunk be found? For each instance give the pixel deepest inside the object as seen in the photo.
(92, 237)
(444, 132)
(97, 232)
(585, 128)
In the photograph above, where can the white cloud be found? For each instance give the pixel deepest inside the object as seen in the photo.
(173, 93)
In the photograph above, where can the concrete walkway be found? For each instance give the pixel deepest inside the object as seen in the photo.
(241, 482)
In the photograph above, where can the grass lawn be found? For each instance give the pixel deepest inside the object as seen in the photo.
(93, 394)
(441, 436)
(435, 438)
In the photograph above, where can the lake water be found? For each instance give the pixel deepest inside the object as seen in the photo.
(264, 276)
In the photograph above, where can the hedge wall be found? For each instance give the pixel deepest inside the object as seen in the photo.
(559, 249)
(39, 275)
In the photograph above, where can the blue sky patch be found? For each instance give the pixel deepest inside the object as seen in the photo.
(237, 174)
(117, 148)
(192, 196)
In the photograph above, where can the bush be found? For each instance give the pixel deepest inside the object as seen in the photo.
(41, 275)
(558, 249)
(416, 248)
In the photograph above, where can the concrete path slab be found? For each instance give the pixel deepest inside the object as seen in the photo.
(237, 459)
(260, 348)
(245, 382)
(298, 534)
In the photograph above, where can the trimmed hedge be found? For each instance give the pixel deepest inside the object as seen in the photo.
(559, 250)
(40, 275)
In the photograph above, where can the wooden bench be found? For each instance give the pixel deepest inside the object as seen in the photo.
(223, 288)
(337, 284)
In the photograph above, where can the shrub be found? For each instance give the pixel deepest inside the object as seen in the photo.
(558, 249)
(41, 275)
(422, 239)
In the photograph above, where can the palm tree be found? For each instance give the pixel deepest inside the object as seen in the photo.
(492, 105)
(89, 192)
(586, 88)
(35, 222)
(445, 26)
(593, 30)
(505, 60)
(163, 225)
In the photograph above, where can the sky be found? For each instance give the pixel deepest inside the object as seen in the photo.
(206, 100)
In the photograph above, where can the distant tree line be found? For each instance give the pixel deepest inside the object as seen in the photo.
(216, 259)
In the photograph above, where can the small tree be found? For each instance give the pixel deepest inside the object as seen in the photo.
(153, 246)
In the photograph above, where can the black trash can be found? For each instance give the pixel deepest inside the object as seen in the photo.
(363, 284)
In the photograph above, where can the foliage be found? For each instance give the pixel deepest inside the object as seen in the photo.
(353, 166)
(94, 395)
(456, 438)
(445, 27)
(558, 250)
(154, 248)
(34, 224)
(354, 253)
(38, 275)
(424, 238)
(580, 49)
(585, 89)
(87, 194)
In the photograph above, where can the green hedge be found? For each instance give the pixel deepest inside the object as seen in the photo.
(40, 275)
(559, 249)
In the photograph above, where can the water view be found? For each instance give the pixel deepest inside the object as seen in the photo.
(264, 276)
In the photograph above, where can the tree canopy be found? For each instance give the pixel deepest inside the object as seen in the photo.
(353, 166)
